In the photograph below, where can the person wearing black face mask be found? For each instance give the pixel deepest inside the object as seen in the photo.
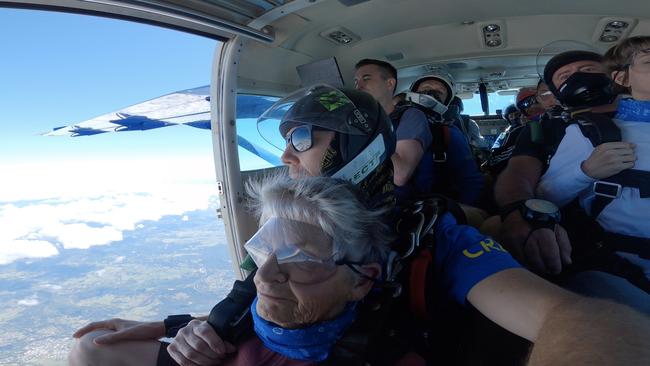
(578, 79)
(579, 82)
(530, 227)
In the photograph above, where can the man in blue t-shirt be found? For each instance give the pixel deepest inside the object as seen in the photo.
(415, 170)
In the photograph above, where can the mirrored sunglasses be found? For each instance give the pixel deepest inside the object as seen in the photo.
(300, 138)
(527, 102)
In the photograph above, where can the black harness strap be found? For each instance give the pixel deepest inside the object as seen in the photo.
(608, 189)
(596, 249)
(231, 317)
(599, 129)
(628, 244)
(440, 142)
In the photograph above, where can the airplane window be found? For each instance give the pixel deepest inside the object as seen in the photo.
(496, 101)
(254, 151)
(118, 224)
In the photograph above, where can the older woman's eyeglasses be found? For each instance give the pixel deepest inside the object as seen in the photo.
(310, 254)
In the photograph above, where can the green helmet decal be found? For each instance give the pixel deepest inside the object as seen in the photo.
(333, 100)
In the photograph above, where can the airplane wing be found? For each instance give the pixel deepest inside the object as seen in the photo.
(189, 107)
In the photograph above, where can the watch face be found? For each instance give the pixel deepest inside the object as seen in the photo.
(541, 206)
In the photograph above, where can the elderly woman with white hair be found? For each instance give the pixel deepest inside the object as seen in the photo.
(319, 251)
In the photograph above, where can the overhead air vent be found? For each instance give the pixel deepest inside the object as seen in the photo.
(340, 36)
(395, 56)
(435, 69)
(611, 30)
(496, 74)
(457, 65)
(493, 34)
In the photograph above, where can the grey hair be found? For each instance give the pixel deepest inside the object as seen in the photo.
(329, 203)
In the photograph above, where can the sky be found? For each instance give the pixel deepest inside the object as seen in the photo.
(57, 69)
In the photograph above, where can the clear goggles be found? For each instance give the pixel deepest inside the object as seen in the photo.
(296, 242)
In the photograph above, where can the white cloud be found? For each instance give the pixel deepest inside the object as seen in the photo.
(31, 301)
(81, 236)
(52, 287)
(87, 178)
(16, 249)
(68, 213)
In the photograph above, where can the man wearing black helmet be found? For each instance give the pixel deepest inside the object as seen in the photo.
(578, 81)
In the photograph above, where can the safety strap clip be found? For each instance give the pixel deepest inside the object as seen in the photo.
(607, 189)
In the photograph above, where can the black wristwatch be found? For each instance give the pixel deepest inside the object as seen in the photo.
(174, 323)
(540, 213)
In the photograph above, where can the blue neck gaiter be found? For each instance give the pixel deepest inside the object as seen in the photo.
(633, 110)
(312, 343)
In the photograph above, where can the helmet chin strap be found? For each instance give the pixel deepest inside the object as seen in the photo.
(427, 101)
(364, 163)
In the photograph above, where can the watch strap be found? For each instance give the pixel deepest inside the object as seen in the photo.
(507, 209)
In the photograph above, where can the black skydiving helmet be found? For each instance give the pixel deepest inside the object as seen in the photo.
(364, 137)
(585, 89)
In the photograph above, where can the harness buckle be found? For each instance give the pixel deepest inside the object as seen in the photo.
(440, 157)
(607, 189)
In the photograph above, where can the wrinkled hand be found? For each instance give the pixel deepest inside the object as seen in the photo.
(199, 344)
(125, 330)
(608, 159)
(542, 250)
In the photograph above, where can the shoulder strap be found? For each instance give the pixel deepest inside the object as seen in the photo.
(231, 318)
(399, 110)
(440, 141)
(598, 128)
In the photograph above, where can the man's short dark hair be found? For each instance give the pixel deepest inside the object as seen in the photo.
(387, 70)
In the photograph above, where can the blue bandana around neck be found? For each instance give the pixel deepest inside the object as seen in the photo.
(633, 110)
(312, 343)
